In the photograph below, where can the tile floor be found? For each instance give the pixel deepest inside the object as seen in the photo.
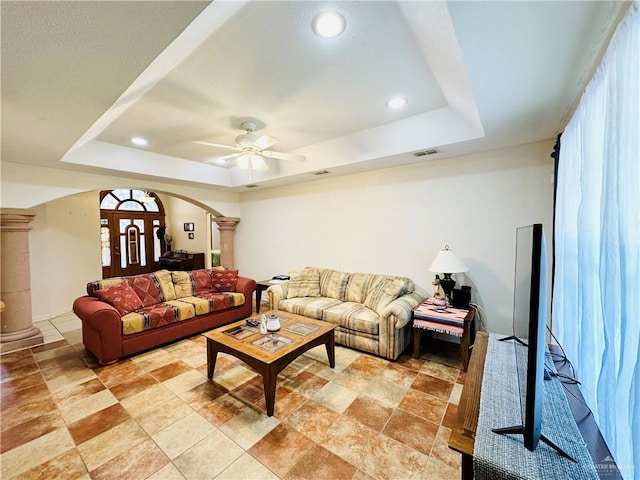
(155, 415)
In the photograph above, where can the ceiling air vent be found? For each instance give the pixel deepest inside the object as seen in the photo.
(253, 185)
(321, 172)
(423, 153)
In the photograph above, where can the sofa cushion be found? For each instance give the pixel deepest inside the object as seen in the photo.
(304, 283)
(222, 300)
(165, 281)
(354, 316)
(237, 298)
(308, 306)
(191, 283)
(154, 316)
(358, 286)
(333, 284)
(386, 290)
(210, 302)
(154, 287)
(201, 280)
(224, 280)
(121, 296)
(183, 284)
(103, 284)
(201, 305)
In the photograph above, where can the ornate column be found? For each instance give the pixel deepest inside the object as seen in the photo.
(17, 330)
(227, 227)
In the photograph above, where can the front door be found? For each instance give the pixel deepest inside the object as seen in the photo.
(130, 243)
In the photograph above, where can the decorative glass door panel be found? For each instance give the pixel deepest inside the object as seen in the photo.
(129, 234)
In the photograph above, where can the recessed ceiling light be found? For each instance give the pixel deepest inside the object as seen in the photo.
(328, 24)
(397, 102)
(139, 141)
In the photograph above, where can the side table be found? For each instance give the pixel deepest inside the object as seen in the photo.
(261, 286)
(452, 321)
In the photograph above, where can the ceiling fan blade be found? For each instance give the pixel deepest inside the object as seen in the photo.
(265, 141)
(230, 156)
(283, 156)
(225, 160)
(217, 145)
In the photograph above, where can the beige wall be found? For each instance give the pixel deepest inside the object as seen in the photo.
(395, 220)
(184, 212)
(65, 240)
(64, 247)
(390, 221)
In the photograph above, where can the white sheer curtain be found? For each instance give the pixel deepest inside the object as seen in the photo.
(596, 296)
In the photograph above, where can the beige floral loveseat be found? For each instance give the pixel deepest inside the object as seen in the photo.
(373, 312)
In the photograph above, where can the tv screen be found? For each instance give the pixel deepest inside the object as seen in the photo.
(529, 327)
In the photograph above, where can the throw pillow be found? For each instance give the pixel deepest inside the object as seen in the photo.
(333, 284)
(385, 291)
(102, 284)
(202, 280)
(182, 284)
(121, 296)
(304, 283)
(165, 284)
(358, 287)
(147, 288)
(224, 280)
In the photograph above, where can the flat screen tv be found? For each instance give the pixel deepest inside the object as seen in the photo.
(529, 330)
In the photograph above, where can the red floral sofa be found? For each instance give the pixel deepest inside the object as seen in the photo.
(122, 316)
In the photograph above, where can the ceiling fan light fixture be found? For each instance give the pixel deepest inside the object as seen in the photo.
(243, 161)
(251, 150)
(328, 24)
(251, 161)
(258, 163)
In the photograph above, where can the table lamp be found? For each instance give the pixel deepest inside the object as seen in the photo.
(447, 262)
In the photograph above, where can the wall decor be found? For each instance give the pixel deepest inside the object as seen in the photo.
(188, 227)
(191, 236)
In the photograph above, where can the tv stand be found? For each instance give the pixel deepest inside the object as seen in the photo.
(462, 438)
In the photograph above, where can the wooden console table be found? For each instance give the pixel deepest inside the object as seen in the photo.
(181, 260)
(463, 434)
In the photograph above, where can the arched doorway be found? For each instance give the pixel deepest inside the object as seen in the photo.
(131, 231)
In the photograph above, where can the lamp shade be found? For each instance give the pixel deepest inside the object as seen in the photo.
(447, 262)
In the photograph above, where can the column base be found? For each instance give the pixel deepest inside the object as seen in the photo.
(29, 337)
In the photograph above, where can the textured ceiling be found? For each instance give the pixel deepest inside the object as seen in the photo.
(79, 79)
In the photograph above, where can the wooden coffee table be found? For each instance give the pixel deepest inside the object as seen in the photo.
(269, 354)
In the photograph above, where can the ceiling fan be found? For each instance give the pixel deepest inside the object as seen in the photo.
(252, 149)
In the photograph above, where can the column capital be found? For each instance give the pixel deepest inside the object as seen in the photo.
(16, 219)
(226, 223)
